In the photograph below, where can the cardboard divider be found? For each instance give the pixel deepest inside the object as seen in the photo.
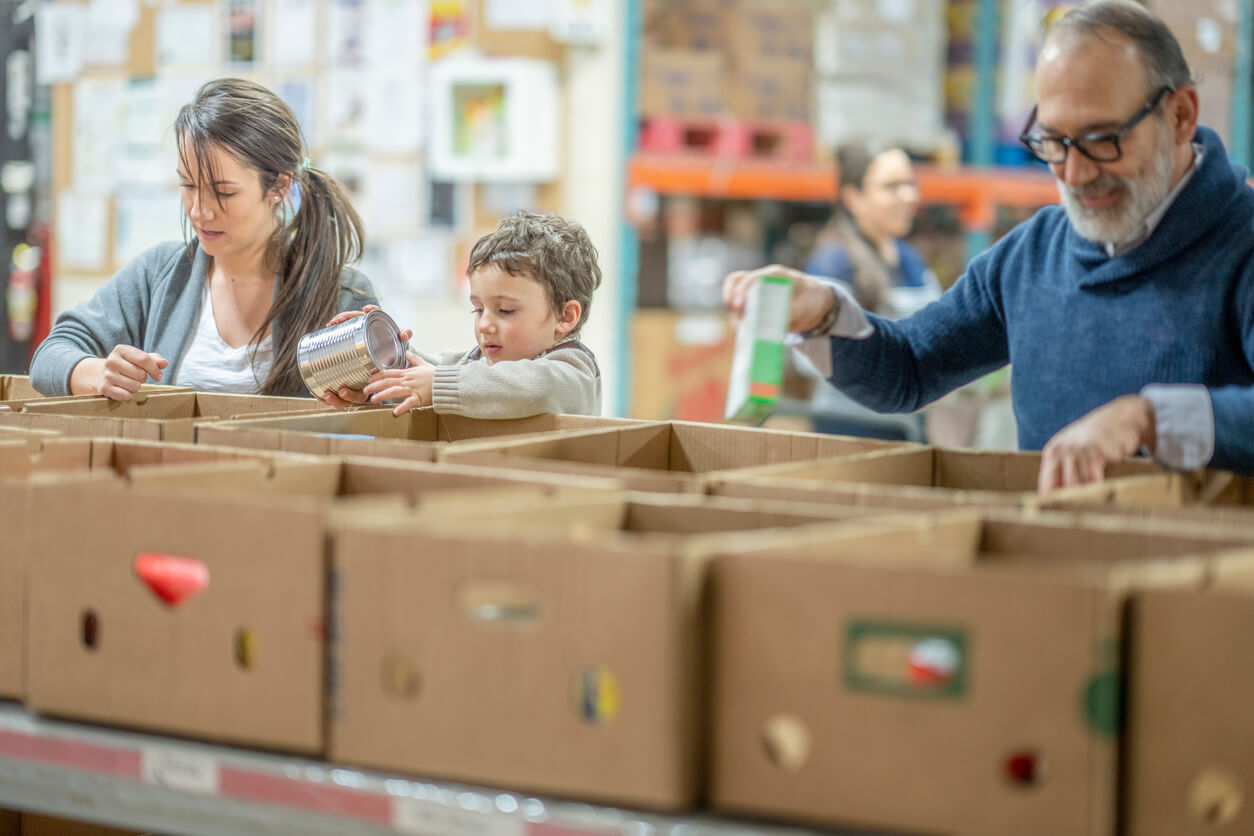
(858, 683)
(241, 658)
(674, 456)
(919, 479)
(156, 416)
(557, 648)
(418, 435)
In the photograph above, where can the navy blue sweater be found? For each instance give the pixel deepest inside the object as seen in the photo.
(1082, 328)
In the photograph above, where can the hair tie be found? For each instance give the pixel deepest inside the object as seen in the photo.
(304, 164)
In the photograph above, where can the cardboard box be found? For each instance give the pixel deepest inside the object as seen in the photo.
(417, 435)
(680, 365)
(17, 387)
(958, 674)
(691, 24)
(167, 416)
(1190, 758)
(777, 34)
(682, 82)
(770, 93)
(23, 461)
(915, 478)
(557, 651)
(241, 660)
(672, 456)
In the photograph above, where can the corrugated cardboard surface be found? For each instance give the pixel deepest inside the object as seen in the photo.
(159, 416)
(417, 435)
(260, 527)
(1190, 761)
(169, 668)
(916, 478)
(669, 456)
(1036, 612)
(425, 685)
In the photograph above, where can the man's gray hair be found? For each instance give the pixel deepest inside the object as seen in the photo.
(1160, 51)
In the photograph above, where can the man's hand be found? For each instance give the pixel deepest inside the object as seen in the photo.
(1081, 451)
(811, 299)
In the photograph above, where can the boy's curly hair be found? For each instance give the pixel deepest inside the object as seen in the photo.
(548, 248)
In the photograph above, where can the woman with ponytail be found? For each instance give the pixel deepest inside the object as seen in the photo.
(269, 242)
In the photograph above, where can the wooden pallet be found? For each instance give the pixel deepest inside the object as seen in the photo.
(731, 138)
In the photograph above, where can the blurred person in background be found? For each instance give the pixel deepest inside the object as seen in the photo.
(266, 261)
(1127, 312)
(863, 248)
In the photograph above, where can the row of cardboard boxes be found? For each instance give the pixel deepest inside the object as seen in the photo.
(509, 615)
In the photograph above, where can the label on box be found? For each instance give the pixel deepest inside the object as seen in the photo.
(906, 660)
(176, 770)
(427, 818)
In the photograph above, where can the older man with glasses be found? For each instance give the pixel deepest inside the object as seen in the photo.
(1127, 313)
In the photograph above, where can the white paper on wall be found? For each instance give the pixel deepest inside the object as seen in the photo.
(294, 33)
(109, 24)
(187, 35)
(346, 33)
(82, 231)
(60, 41)
(345, 109)
(141, 159)
(392, 200)
(99, 107)
(394, 110)
(515, 15)
(144, 218)
(396, 33)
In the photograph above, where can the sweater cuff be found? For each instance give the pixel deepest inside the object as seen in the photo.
(849, 323)
(1184, 422)
(445, 392)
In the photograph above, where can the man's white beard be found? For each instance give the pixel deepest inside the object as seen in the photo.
(1139, 197)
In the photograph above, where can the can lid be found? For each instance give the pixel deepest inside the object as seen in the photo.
(383, 342)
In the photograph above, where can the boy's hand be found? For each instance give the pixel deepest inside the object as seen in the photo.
(412, 384)
(407, 334)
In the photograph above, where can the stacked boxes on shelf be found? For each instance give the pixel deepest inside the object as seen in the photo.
(1207, 31)
(880, 69)
(739, 61)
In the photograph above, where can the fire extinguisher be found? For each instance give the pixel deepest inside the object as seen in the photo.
(21, 292)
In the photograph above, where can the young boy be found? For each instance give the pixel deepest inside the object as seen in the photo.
(531, 285)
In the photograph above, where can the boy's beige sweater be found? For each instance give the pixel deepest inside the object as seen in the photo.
(564, 379)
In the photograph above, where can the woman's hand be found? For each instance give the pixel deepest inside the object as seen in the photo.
(407, 334)
(413, 384)
(119, 375)
(811, 298)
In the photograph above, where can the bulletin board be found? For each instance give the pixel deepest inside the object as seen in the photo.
(352, 70)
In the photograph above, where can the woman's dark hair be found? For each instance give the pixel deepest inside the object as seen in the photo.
(871, 279)
(312, 242)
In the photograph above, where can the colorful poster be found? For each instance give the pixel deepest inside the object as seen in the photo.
(450, 29)
(242, 31)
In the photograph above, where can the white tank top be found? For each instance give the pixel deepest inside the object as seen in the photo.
(210, 365)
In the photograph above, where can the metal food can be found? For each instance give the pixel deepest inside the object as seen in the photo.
(346, 355)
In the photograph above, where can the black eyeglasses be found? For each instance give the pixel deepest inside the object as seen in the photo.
(1102, 148)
